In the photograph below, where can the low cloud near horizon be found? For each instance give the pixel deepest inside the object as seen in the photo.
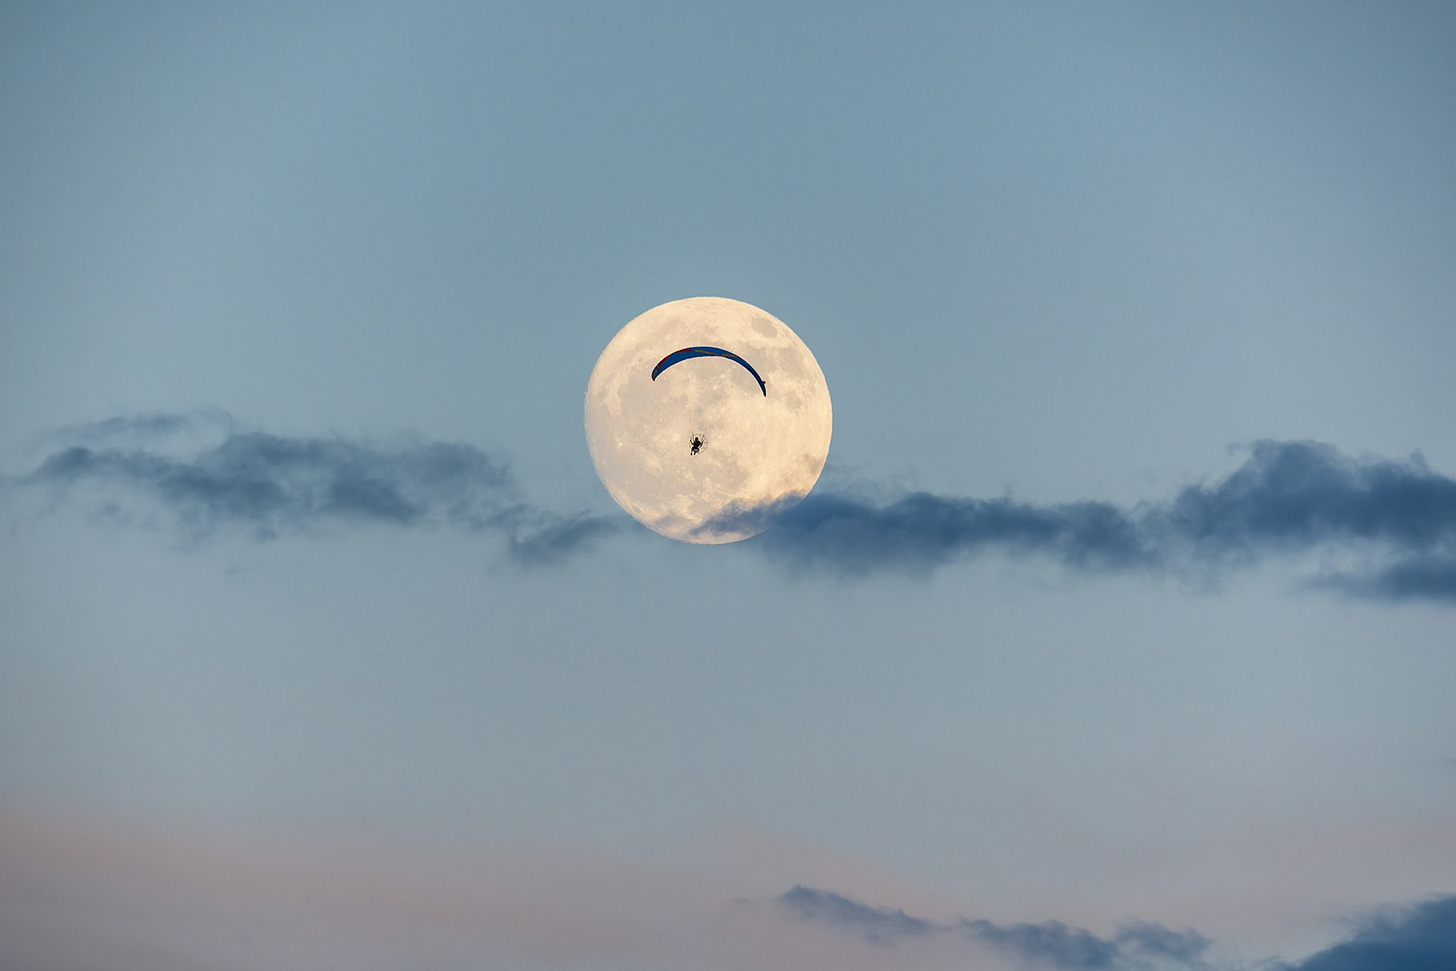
(1394, 520)
(92, 892)
(1416, 938)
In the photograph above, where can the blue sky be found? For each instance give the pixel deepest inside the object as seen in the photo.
(1125, 602)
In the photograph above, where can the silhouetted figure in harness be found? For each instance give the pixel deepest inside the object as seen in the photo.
(697, 444)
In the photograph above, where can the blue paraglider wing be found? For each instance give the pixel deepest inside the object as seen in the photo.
(688, 353)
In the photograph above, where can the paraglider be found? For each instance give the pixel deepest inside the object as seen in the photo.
(697, 444)
(688, 353)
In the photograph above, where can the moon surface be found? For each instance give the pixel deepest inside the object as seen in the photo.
(701, 452)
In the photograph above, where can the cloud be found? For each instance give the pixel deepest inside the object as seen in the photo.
(877, 926)
(1300, 493)
(103, 891)
(921, 532)
(1420, 938)
(1428, 577)
(1156, 941)
(1396, 519)
(554, 537)
(1286, 498)
(144, 426)
(272, 485)
(106, 891)
(1051, 943)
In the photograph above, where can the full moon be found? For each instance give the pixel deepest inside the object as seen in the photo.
(703, 411)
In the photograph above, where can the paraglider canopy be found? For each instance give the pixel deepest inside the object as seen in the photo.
(687, 353)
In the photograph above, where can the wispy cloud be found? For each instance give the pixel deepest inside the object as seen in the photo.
(1287, 498)
(552, 537)
(273, 485)
(146, 426)
(877, 925)
(1052, 944)
(1394, 519)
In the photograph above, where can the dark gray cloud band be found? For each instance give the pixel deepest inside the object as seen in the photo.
(1391, 524)
(1396, 518)
(1418, 938)
(272, 485)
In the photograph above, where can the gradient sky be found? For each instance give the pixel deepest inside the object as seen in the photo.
(421, 698)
